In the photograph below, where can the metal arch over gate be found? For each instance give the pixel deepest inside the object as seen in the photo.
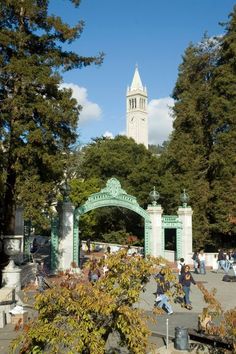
(111, 195)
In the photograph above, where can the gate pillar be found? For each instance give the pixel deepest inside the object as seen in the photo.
(185, 215)
(65, 249)
(156, 245)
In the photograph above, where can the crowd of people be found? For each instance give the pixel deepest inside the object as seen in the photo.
(223, 260)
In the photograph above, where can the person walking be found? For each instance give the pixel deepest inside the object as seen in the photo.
(185, 280)
(40, 277)
(180, 266)
(88, 244)
(221, 260)
(162, 300)
(196, 262)
(214, 264)
(202, 260)
(94, 271)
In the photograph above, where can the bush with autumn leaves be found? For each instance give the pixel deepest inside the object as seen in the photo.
(75, 316)
(214, 321)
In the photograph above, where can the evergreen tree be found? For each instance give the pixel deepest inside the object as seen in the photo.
(185, 162)
(201, 153)
(222, 172)
(38, 120)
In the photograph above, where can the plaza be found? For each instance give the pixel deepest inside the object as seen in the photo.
(181, 317)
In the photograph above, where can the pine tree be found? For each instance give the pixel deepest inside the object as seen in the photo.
(185, 162)
(38, 120)
(222, 172)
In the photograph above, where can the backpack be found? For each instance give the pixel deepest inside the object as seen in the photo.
(182, 269)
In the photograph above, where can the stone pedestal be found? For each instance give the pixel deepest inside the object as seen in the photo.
(185, 216)
(156, 242)
(65, 248)
(11, 276)
(7, 303)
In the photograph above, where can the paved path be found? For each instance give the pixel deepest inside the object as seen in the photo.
(181, 317)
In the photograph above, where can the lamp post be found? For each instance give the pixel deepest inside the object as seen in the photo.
(184, 197)
(154, 196)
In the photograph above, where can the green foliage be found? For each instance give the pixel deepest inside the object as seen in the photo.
(187, 158)
(78, 317)
(81, 189)
(38, 119)
(123, 159)
(157, 149)
(223, 110)
(133, 165)
(200, 154)
(120, 237)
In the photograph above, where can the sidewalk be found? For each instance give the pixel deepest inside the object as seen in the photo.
(181, 317)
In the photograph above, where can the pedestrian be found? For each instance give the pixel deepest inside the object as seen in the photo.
(215, 264)
(234, 268)
(185, 280)
(88, 244)
(202, 260)
(196, 262)
(40, 277)
(94, 271)
(228, 261)
(106, 254)
(162, 300)
(221, 260)
(180, 266)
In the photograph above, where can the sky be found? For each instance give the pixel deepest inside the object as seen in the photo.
(152, 34)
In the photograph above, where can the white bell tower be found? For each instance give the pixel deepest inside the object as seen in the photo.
(136, 111)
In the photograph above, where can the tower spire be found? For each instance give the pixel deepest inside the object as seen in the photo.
(136, 83)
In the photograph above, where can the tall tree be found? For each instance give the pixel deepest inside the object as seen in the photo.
(222, 211)
(201, 151)
(38, 120)
(185, 162)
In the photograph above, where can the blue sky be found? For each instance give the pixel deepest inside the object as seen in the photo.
(150, 33)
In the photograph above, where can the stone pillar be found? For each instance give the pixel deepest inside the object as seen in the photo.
(65, 247)
(156, 242)
(185, 216)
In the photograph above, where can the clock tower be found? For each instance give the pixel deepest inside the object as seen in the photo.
(136, 111)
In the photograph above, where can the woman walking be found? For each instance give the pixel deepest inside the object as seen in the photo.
(185, 280)
(202, 260)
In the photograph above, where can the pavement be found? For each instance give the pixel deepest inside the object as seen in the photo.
(180, 318)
